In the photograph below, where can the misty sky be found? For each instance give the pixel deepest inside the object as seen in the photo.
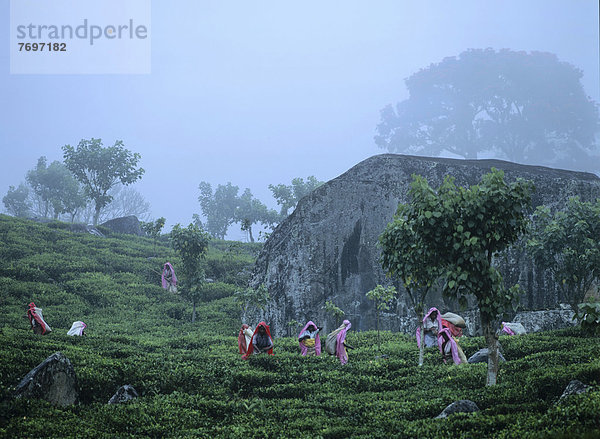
(262, 92)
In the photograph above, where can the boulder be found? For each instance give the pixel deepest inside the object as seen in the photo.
(53, 380)
(481, 356)
(462, 406)
(575, 387)
(129, 225)
(124, 394)
(547, 320)
(326, 249)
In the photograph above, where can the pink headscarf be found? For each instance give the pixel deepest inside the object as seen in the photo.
(453, 346)
(304, 349)
(439, 321)
(340, 350)
(506, 329)
(174, 278)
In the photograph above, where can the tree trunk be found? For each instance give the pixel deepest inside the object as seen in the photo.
(422, 345)
(250, 233)
(492, 343)
(193, 310)
(96, 215)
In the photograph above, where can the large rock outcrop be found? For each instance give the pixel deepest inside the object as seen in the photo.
(127, 224)
(327, 248)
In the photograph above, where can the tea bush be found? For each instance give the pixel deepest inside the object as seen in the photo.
(192, 382)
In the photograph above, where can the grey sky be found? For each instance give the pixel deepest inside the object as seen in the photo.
(261, 92)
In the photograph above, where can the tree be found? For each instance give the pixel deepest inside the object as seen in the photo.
(15, 201)
(153, 228)
(256, 298)
(250, 211)
(287, 196)
(56, 189)
(125, 201)
(525, 107)
(336, 312)
(218, 208)
(382, 296)
(99, 169)
(191, 244)
(405, 256)
(567, 244)
(465, 228)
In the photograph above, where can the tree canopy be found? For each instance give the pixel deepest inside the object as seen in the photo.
(287, 196)
(524, 107)
(56, 189)
(15, 200)
(567, 243)
(100, 168)
(225, 207)
(464, 228)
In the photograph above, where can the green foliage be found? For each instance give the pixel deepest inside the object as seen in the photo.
(497, 99)
(333, 310)
(252, 298)
(382, 296)
(216, 290)
(191, 244)
(98, 169)
(192, 382)
(567, 244)
(225, 207)
(460, 230)
(287, 196)
(15, 201)
(57, 190)
(588, 316)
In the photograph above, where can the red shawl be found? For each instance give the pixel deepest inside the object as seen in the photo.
(251, 347)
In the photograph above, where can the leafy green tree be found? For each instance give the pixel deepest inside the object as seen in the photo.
(406, 257)
(334, 311)
(567, 243)
(191, 244)
(56, 189)
(99, 169)
(287, 196)
(153, 228)
(16, 201)
(251, 211)
(526, 107)
(218, 208)
(466, 228)
(382, 296)
(252, 298)
(292, 326)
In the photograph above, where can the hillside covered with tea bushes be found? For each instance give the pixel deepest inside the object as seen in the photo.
(192, 382)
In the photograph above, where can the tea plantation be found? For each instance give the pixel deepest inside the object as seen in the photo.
(192, 382)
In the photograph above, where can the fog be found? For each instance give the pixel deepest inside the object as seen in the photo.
(257, 93)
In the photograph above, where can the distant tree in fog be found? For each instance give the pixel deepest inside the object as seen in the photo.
(251, 211)
(287, 196)
(524, 107)
(16, 201)
(225, 207)
(218, 207)
(99, 169)
(55, 190)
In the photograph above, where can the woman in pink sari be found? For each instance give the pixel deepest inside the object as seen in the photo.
(168, 278)
(432, 325)
(449, 348)
(309, 341)
(336, 342)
